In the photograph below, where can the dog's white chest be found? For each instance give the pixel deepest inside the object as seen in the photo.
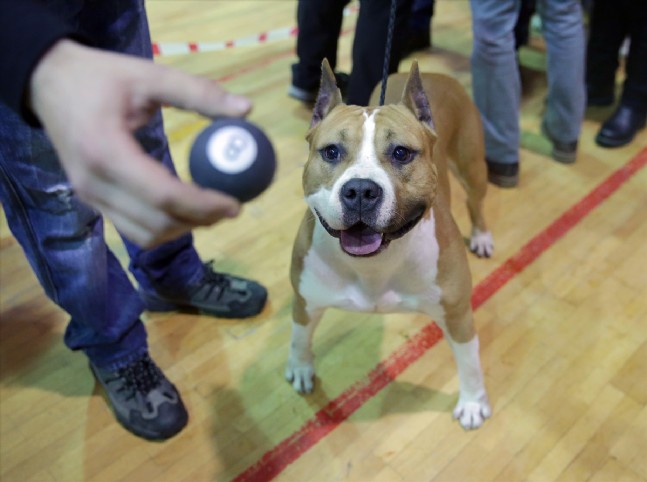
(400, 279)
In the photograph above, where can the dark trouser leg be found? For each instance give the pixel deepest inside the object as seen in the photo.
(319, 23)
(369, 46)
(634, 92)
(607, 31)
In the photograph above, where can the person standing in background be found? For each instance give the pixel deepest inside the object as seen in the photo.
(497, 86)
(611, 23)
(320, 22)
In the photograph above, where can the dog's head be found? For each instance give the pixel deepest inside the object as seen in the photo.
(370, 178)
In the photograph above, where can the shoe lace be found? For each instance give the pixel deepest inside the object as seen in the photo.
(140, 376)
(214, 281)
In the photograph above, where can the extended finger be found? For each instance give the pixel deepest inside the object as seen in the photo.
(193, 93)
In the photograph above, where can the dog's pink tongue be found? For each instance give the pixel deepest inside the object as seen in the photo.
(360, 241)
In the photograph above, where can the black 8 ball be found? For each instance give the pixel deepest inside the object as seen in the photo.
(234, 156)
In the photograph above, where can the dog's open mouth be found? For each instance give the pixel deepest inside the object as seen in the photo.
(362, 240)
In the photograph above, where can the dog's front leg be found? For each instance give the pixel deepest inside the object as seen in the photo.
(300, 369)
(473, 407)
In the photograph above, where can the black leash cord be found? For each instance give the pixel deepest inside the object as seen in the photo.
(387, 50)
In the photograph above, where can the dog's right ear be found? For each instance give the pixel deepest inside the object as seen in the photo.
(329, 95)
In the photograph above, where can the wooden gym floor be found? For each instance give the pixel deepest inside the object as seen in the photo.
(560, 308)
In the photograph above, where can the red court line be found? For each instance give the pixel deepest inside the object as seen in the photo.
(273, 462)
(549, 236)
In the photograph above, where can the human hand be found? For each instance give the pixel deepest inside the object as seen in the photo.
(90, 103)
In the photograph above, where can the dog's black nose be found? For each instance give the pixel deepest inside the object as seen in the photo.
(362, 196)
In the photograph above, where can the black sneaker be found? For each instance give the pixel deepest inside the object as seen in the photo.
(143, 400)
(564, 152)
(217, 294)
(309, 95)
(503, 174)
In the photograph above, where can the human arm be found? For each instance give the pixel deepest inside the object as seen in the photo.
(27, 30)
(90, 102)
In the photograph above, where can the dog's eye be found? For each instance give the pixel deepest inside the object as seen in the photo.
(402, 155)
(331, 153)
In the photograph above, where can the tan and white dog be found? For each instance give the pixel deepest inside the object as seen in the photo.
(379, 235)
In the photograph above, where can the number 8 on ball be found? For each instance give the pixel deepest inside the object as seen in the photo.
(234, 156)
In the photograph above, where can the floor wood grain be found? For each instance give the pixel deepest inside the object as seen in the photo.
(564, 341)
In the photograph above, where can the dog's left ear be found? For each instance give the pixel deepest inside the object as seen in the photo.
(415, 99)
(329, 95)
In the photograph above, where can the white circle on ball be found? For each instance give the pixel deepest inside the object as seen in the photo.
(231, 149)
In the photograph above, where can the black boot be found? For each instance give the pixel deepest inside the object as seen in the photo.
(620, 129)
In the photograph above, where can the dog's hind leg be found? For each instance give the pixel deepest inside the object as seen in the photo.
(470, 169)
(481, 241)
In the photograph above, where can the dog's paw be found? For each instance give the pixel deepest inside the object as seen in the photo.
(471, 415)
(301, 376)
(481, 243)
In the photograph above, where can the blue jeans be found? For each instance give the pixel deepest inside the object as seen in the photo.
(496, 82)
(63, 238)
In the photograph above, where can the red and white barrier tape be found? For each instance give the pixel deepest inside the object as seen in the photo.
(178, 48)
(183, 48)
